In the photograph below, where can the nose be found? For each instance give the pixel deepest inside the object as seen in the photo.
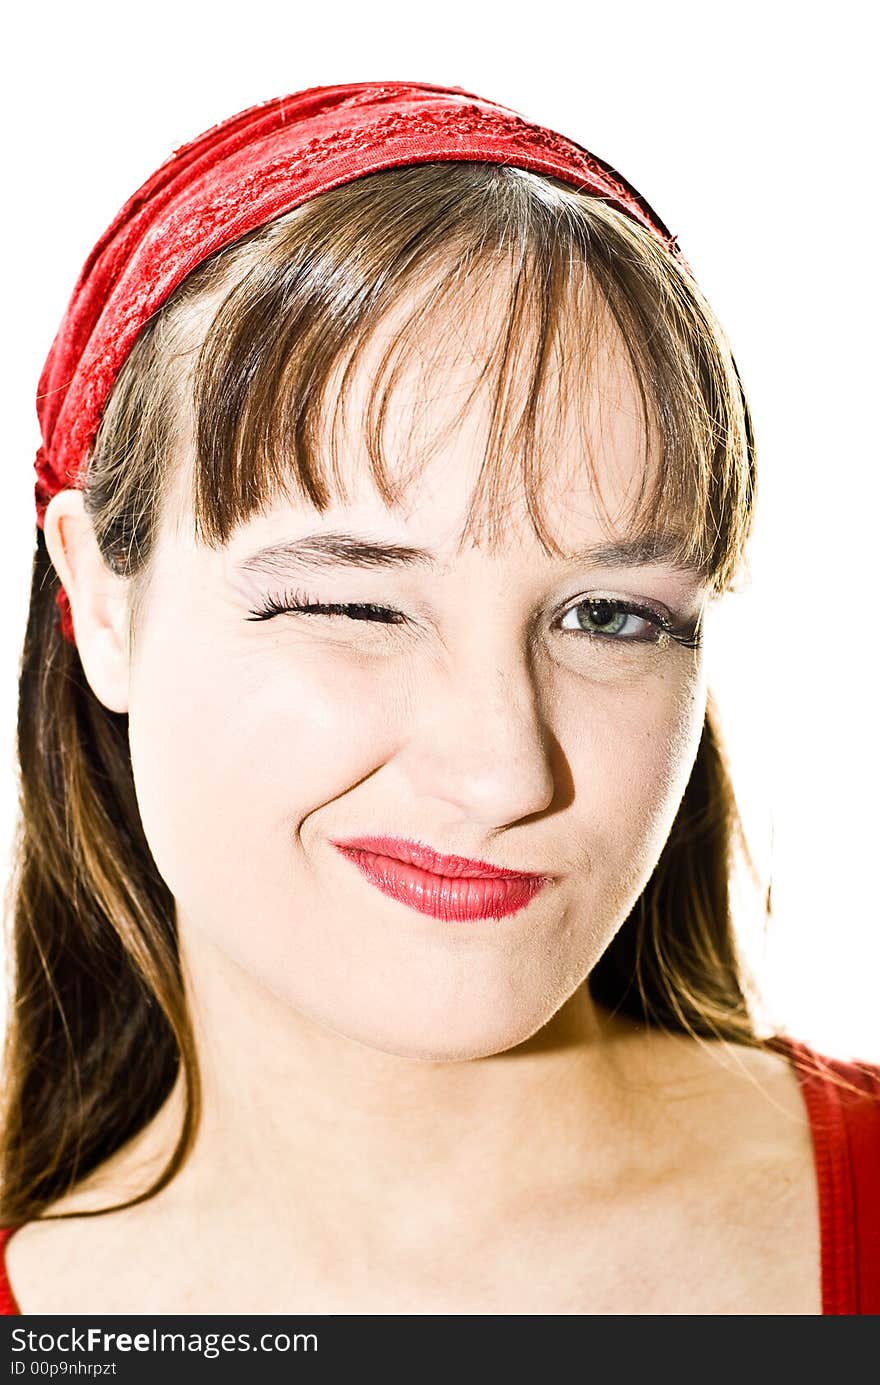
(482, 742)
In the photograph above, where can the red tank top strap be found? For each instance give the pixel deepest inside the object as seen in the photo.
(8, 1305)
(845, 1123)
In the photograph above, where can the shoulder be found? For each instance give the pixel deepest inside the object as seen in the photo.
(8, 1303)
(843, 1100)
(61, 1263)
(34, 1259)
(720, 1076)
(725, 1110)
(842, 1093)
(81, 1239)
(857, 1076)
(47, 1264)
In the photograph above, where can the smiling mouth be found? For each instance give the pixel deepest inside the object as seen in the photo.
(455, 888)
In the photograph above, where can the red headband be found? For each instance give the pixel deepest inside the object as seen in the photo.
(240, 175)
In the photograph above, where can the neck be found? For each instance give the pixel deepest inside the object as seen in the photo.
(327, 1142)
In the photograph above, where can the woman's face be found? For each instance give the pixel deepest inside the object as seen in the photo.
(495, 717)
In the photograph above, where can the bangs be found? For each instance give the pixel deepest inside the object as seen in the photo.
(424, 261)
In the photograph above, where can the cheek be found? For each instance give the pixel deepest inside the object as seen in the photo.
(229, 758)
(631, 758)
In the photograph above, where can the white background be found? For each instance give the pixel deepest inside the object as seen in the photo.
(751, 130)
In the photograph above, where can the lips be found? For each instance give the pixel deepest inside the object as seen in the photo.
(454, 888)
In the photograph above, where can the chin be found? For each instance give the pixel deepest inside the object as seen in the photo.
(441, 1039)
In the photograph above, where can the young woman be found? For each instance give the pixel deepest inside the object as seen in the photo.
(372, 935)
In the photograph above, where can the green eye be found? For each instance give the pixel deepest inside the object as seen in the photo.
(597, 619)
(606, 619)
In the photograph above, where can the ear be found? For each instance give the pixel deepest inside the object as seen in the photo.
(99, 597)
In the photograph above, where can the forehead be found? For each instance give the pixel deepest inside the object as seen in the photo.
(472, 415)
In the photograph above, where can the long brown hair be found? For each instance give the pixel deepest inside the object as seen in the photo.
(254, 352)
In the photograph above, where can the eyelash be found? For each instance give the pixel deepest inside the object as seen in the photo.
(300, 602)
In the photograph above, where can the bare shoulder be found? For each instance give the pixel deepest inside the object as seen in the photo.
(723, 1187)
(50, 1262)
(735, 1102)
(737, 1194)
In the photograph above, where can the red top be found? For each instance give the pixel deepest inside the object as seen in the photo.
(846, 1143)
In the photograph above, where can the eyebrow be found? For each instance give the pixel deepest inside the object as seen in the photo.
(331, 550)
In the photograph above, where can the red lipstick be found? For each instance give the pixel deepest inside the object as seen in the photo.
(447, 887)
